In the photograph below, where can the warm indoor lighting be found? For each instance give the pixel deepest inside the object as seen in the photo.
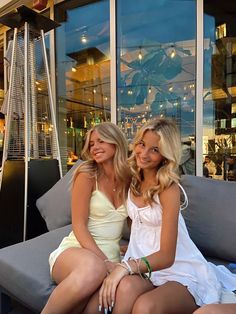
(221, 31)
(73, 69)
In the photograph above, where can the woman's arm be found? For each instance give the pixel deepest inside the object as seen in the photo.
(170, 202)
(81, 194)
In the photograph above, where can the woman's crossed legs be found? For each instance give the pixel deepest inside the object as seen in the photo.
(138, 296)
(78, 273)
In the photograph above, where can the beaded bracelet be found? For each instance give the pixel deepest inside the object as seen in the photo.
(137, 262)
(128, 267)
(124, 266)
(148, 266)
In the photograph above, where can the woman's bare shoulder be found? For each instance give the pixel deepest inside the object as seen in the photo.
(84, 178)
(170, 194)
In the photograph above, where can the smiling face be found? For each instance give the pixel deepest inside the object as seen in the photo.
(100, 150)
(147, 151)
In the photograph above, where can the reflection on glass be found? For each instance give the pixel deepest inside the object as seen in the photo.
(83, 71)
(156, 67)
(219, 93)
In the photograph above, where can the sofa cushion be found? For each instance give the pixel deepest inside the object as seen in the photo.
(211, 215)
(54, 205)
(24, 268)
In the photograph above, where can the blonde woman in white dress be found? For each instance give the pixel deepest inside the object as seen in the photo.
(178, 278)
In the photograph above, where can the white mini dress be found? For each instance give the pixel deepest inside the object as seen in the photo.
(204, 280)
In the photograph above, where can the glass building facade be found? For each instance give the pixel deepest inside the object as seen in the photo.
(131, 61)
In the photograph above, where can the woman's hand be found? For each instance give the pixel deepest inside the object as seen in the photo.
(107, 291)
(110, 266)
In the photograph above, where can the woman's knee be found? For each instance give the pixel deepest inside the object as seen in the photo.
(126, 286)
(209, 309)
(143, 305)
(93, 272)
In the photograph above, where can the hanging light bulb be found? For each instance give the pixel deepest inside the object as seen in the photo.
(140, 56)
(84, 39)
(149, 90)
(73, 69)
(172, 53)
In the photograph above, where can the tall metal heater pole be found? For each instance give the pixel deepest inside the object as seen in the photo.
(31, 154)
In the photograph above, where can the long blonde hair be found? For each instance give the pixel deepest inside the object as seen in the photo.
(169, 147)
(109, 133)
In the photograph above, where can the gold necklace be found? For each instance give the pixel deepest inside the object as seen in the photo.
(114, 185)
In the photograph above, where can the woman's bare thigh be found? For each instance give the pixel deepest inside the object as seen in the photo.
(171, 297)
(76, 259)
(217, 309)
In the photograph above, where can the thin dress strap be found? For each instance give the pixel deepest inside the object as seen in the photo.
(184, 205)
(96, 181)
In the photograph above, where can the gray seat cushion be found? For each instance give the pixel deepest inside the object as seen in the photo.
(211, 215)
(24, 268)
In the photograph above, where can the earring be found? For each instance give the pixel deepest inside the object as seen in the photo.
(164, 162)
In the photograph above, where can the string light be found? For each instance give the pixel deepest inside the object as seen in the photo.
(84, 39)
(140, 56)
(173, 54)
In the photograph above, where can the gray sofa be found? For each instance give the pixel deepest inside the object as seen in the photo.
(24, 271)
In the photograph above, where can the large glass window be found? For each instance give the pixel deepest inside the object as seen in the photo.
(83, 72)
(156, 67)
(2, 122)
(220, 89)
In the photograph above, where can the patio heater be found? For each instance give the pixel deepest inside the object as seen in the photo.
(31, 157)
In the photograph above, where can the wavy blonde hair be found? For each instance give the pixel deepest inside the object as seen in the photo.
(169, 147)
(109, 133)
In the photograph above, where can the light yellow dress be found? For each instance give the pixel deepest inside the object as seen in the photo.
(105, 223)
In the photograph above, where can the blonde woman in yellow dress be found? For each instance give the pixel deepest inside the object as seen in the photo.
(90, 251)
